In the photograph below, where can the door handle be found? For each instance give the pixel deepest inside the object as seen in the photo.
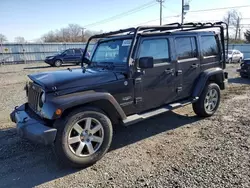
(195, 66)
(169, 71)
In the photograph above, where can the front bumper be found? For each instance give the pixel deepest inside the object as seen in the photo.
(32, 128)
(49, 61)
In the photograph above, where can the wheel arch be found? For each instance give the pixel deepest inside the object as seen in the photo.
(103, 101)
(213, 75)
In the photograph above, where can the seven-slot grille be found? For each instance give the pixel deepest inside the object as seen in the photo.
(34, 92)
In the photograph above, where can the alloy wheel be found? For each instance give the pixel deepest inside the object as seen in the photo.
(86, 137)
(211, 100)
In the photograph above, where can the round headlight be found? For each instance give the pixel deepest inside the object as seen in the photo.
(42, 99)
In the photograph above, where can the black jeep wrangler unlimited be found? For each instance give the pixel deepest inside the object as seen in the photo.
(132, 74)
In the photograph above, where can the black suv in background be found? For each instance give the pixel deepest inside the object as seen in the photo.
(73, 55)
(245, 68)
(132, 75)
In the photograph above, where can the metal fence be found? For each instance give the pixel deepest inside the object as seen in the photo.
(33, 52)
(11, 53)
(244, 48)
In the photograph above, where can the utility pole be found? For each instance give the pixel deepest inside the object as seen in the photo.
(83, 33)
(182, 12)
(160, 1)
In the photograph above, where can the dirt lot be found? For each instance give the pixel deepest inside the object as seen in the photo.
(176, 149)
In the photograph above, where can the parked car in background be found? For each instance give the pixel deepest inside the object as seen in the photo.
(73, 55)
(234, 56)
(245, 68)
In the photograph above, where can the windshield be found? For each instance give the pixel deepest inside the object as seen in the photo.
(114, 51)
(230, 52)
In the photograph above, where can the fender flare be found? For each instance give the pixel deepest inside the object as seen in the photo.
(68, 101)
(205, 76)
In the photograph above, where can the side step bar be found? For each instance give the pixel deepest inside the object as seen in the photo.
(139, 117)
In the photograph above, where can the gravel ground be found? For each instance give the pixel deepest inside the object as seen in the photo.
(175, 149)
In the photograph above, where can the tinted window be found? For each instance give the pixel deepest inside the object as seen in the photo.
(186, 47)
(209, 46)
(247, 61)
(78, 51)
(156, 48)
(69, 52)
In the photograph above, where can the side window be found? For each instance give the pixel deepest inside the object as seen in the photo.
(69, 52)
(209, 46)
(78, 52)
(156, 48)
(186, 47)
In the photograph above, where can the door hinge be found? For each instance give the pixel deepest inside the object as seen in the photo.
(179, 72)
(179, 89)
(138, 100)
(137, 80)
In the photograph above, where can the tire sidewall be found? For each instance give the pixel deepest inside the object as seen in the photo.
(208, 88)
(62, 145)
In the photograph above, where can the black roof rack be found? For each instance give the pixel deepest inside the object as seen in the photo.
(168, 28)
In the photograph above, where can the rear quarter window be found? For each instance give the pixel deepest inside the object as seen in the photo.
(209, 46)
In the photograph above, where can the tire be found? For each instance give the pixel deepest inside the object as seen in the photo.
(57, 63)
(230, 61)
(203, 107)
(79, 153)
(240, 60)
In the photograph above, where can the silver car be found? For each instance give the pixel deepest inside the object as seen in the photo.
(234, 56)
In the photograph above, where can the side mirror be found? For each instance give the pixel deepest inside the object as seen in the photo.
(146, 62)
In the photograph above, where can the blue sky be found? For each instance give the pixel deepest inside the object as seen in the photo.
(33, 18)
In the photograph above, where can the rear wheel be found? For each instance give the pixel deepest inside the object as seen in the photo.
(83, 137)
(57, 63)
(240, 60)
(208, 102)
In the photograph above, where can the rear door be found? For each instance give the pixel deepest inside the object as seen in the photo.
(188, 63)
(157, 85)
(78, 55)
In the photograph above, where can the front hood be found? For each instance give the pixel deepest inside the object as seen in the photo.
(66, 79)
(50, 56)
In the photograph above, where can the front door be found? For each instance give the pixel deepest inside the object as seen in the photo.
(188, 64)
(157, 85)
(69, 56)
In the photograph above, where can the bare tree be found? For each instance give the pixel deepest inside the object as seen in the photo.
(19, 40)
(3, 38)
(233, 19)
(72, 33)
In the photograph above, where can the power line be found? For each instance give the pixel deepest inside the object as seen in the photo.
(134, 10)
(205, 10)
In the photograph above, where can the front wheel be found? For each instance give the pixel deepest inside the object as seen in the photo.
(83, 137)
(208, 102)
(57, 63)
